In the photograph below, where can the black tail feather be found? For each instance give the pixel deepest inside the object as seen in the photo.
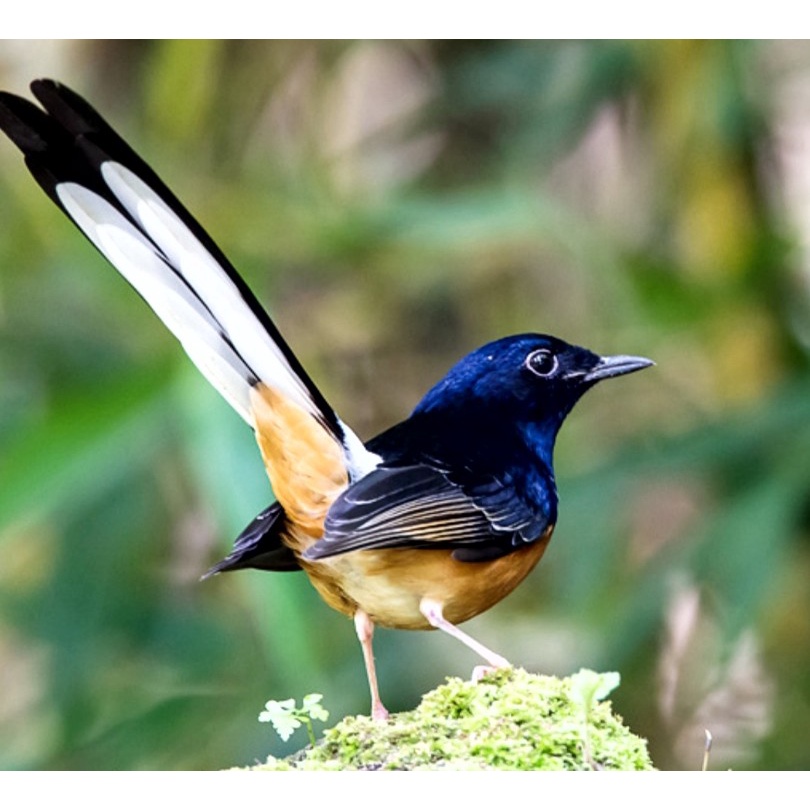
(260, 546)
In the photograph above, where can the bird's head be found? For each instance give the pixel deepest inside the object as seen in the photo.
(525, 378)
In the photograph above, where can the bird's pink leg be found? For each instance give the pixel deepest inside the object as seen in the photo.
(365, 632)
(432, 611)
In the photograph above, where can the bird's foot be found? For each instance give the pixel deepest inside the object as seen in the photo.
(482, 670)
(365, 632)
(379, 713)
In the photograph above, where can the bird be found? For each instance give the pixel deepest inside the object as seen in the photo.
(424, 526)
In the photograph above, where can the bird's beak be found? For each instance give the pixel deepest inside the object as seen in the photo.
(616, 366)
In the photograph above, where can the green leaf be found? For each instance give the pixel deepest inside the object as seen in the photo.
(281, 713)
(312, 707)
(588, 687)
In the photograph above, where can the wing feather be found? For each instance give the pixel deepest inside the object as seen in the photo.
(417, 506)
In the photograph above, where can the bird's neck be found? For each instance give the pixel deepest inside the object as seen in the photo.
(539, 438)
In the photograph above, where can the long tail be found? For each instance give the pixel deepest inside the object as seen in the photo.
(130, 215)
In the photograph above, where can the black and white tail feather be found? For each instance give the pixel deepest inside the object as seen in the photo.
(136, 222)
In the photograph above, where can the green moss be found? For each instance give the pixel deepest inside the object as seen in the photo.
(510, 720)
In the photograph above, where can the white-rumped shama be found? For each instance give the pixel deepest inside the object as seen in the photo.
(426, 525)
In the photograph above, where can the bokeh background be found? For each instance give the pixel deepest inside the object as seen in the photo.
(396, 204)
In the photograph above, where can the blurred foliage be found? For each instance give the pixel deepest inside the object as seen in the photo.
(396, 205)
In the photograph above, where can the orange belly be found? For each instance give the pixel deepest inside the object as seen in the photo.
(389, 584)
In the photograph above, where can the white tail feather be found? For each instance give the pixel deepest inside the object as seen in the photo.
(209, 280)
(192, 294)
(136, 259)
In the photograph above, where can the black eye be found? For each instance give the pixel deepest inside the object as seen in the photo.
(542, 363)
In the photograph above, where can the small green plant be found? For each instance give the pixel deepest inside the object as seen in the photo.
(286, 718)
(587, 689)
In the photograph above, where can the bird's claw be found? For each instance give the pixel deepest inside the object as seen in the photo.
(379, 713)
(482, 670)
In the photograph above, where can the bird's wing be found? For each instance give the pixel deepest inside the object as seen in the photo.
(128, 213)
(501, 500)
(418, 506)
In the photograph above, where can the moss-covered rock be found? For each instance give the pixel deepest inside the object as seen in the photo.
(509, 720)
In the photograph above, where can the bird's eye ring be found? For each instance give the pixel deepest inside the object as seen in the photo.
(542, 363)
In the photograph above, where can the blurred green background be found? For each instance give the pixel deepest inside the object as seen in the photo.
(396, 204)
